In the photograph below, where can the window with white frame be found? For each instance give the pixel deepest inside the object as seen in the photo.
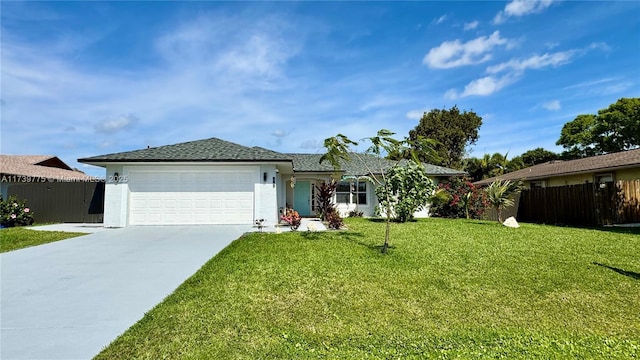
(361, 193)
(343, 192)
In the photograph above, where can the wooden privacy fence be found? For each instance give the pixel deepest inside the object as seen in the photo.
(582, 205)
(79, 202)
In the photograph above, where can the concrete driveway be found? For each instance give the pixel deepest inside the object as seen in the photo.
(69, 299)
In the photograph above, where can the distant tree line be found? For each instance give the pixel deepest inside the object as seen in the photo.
(613, 129)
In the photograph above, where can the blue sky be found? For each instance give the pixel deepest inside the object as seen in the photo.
(87, 78)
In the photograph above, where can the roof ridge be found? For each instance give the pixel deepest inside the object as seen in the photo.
(210, 149)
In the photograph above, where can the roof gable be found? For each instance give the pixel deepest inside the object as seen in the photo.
(212, 149)
(600, 163)
(40, 166)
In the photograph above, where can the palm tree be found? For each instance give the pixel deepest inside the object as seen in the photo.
(500, 194)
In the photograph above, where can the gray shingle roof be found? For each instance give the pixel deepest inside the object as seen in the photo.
(355, 167)
(623, 159)
(213, 149)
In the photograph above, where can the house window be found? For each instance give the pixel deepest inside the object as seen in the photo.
(536, 184)
(343, 192)
(361, 193)
(604, 178)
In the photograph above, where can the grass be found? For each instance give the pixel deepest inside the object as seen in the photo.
(447, 289)
(19, 237)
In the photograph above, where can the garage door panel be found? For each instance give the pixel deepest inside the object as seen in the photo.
(196, 197)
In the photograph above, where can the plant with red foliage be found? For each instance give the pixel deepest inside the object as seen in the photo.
(292, 218)
(324, 198)
(461, 199)
(334, 220)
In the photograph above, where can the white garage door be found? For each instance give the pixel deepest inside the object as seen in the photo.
(178, 196)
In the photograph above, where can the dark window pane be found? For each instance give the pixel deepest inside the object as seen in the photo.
(362, 199)
(343, 187)
(362, 187)
(342, 198)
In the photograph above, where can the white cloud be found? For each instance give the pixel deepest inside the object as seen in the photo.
(553, 105)
(415, 114)
(482, 87)
(534, 62)
(514, 69)
(455, 53)
(441, 19)
(451, 94)
(471, 25)
(545, 60)
(552, 45)
(517, 8)
(214, 44)
(113, 125)
(201, 84)
(279, 133)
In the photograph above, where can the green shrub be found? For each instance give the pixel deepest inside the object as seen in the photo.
(14, 213)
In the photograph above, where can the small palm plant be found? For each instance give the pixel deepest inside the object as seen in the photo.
(500, 194)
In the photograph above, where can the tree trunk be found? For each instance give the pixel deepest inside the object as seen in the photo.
(386, 233)
(388, 228)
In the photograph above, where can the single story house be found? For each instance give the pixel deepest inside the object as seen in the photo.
(624, 165)
(214, 181)
(32, 169)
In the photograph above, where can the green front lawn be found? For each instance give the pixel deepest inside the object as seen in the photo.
(447, 289)
(19, 237)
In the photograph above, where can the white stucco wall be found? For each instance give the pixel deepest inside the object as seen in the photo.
(117, 194)
(266, 196)
(115, 198)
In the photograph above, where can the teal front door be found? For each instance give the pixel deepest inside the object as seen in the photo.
(302, 198)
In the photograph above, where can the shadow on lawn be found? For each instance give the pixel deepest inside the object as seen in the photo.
(357, 238)
(351, 236)
(620, 229)
(631, 274)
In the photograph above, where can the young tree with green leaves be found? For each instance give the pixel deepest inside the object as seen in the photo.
(340, 148)
(409, 189)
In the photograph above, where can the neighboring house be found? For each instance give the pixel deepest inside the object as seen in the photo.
(31, 169)
(624, 165)
(53, 191)
(213, 181)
